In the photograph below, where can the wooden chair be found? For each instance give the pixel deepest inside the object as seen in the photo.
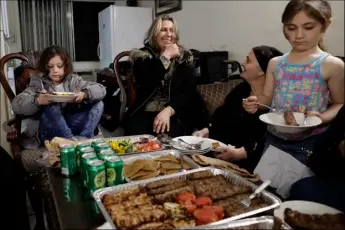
(126, 82)
(26, 159)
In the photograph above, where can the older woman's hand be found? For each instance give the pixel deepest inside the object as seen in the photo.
(162, 120)
(250, 104)
(231, 154)
(171, 51)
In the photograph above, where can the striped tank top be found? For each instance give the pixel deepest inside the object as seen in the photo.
(299, 88)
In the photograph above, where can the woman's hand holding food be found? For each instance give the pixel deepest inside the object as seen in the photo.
(171, 51)
(231, 154)
(202, 133)
(162, 120)
(250, 104)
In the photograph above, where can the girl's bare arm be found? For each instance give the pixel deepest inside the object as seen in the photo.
(333, 70)
(267, 94)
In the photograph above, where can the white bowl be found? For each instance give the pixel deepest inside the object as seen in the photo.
(62, 96)
(277, 120)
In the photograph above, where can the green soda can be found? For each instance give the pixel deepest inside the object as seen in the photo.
(102, 146)
(79, 151)
(85, 159)
(114, 167)
(96, 177)
(104, 154)
(96, 142)
(68, 160)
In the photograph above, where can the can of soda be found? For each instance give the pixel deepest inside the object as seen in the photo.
(114, 168)
(80, 149)
(68, 160)
(96, 142)
(96, 177)
(104, 154)
(85, 159)
(102, 146)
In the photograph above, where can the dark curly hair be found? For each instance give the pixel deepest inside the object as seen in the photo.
(49, 53)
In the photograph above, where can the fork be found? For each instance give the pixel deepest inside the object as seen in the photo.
(248, 201)
(270, 108)
(193, 146)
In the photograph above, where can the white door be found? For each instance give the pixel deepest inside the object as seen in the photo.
(106, 37)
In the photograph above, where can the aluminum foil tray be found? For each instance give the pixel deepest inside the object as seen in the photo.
(263, 222)
(150, 156)
(271, 200)
(134, 139)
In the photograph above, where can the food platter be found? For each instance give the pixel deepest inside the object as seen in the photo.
(276, 119)
(155, 164)
(139, 144)
(203, 181)
(256, 223)
(61, 96)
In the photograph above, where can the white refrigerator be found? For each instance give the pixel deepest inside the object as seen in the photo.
(121, 28)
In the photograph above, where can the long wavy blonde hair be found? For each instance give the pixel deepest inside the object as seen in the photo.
(155, 28)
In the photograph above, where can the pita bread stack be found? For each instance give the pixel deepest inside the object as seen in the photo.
(209, 161)
(143, 169)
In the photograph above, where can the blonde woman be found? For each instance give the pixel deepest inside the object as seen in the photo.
(167, 98)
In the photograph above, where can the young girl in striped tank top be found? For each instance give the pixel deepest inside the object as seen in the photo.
(303, 80)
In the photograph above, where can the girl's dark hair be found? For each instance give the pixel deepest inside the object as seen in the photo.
(320, 10)
(49, 53)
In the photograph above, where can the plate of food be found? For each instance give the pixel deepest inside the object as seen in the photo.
(184, 141)
(134, 144)
(290, 122)
(61, 96)
(309, 215)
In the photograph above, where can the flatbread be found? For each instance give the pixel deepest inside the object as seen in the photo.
(168, 165)
(130, 170)
(148, 176)
(169, 158)
(140, 173)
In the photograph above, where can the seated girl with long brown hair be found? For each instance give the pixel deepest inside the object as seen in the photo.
(79, 117)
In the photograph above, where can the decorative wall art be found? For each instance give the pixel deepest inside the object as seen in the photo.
(167, 6)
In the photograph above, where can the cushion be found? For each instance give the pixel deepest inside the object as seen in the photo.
(214, 94)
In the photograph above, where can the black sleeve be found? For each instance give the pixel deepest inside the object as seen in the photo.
(256, 135)
(188, 94)
(148, 72)
(231, 102)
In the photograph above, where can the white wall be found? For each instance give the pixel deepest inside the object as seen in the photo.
(237, 26)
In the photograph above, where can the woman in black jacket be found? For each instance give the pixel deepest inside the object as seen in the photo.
(231, 124)
(167, 99)
(328, 163)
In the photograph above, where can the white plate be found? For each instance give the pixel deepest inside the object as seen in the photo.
(277, 120)
(205, 146)
(305, 207)
(65, 97)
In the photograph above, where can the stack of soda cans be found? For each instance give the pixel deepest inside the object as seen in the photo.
(96, 163)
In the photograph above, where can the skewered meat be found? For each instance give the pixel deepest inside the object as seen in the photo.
(290, 119)
(160, 190)
(299, 220)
